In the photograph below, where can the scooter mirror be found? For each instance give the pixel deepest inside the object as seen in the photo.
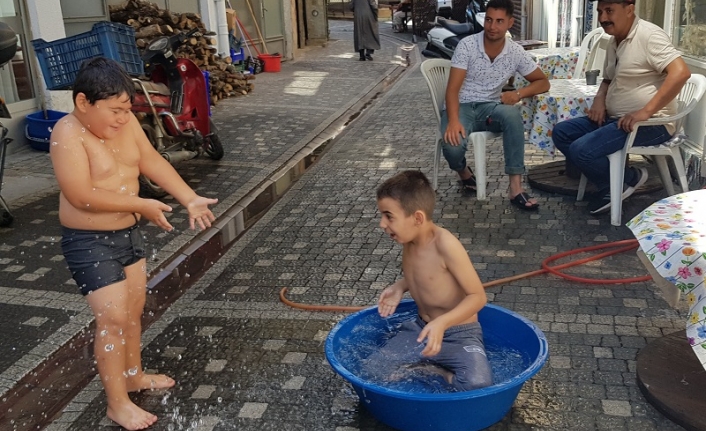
(158, 44)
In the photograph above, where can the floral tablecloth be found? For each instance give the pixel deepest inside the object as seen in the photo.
(672, 234)
(566, 99)
(556, 63)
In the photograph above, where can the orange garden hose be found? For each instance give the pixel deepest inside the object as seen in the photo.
(618, 246)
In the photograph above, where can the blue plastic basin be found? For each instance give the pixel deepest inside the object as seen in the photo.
(452, 411)
(38, 128)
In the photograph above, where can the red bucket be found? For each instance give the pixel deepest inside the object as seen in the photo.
(271, 62)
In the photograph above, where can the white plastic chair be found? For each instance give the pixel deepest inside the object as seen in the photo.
(592, 52)
(436, 74)
(687, 100)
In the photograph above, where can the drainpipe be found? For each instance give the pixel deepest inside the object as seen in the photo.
(222, 28)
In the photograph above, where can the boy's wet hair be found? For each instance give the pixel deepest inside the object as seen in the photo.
(502, 4)
(101, 78)
(412, 190)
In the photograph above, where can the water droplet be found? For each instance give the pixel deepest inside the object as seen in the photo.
(104, 333)
(83, 129)
(132, 371)
(53, 144)
(109, 347)
(50, 129)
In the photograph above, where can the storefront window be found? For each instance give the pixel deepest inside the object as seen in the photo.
(690, 27)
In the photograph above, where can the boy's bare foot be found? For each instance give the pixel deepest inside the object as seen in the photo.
(131, 417)
(149, 381)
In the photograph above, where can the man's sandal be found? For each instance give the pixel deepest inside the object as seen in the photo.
(469, 184)
(521, 201)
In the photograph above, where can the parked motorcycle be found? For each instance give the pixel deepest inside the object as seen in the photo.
(173, 107)
(446, 34)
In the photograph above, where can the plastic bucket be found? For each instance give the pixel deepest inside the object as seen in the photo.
(271, 62)
(38, 129)
(452, 411)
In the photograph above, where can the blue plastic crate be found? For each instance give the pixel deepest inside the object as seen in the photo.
(60, 60)
(237, 56)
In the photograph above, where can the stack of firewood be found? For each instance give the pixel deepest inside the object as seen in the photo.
(150, 21)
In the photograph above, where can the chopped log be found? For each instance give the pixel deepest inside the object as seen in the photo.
(150, 21)
(149, 32)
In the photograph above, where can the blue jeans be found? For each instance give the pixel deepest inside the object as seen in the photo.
(489, 117)
(587, 145)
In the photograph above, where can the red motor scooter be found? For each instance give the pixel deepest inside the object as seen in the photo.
(173, 107)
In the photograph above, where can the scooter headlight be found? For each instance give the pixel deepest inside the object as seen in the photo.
(158, 44)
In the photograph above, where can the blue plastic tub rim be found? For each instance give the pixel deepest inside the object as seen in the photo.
(520, 379)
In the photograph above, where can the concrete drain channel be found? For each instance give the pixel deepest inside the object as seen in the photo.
(40, 396)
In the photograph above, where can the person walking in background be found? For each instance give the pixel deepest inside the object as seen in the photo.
(366, 37)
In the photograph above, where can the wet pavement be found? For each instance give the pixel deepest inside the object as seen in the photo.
(245, 361)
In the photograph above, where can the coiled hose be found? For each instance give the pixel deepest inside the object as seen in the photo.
(617, 246)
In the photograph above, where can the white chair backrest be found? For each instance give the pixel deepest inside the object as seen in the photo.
(596, 58)
(689, 97)
(436, 73)
(588, 42)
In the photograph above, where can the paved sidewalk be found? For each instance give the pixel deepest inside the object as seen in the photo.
(244, 361)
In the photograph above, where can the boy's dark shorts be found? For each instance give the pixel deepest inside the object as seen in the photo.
(97, 258)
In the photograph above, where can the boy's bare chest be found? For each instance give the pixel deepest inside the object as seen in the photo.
(108, 159)
(424, 269)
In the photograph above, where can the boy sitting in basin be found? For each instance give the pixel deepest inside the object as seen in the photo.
(439, 276)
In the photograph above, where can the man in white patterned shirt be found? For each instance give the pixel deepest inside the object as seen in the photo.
(481, 65)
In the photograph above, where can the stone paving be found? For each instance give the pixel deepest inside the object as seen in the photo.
(245, 361)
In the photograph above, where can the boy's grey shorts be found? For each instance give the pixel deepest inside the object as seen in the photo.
(462, 352)
(97, 258)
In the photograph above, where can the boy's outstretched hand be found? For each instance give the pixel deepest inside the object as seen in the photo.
(388, 301)
(200, 213)
(434, 333)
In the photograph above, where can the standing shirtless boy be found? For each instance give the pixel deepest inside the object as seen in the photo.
(439, 276)
(98, 151)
